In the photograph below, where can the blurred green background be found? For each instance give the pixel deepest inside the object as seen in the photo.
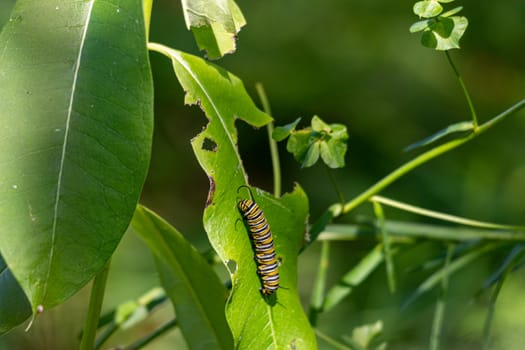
(352, 62)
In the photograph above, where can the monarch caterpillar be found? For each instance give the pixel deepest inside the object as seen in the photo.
(262, 241)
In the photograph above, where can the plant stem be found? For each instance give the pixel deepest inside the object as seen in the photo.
(425, 157)
(276, 167)
(316, 303)
(334, 343)
(389, 261)
(437, 324)
(465, 91)
(95, 306)
(139, 344)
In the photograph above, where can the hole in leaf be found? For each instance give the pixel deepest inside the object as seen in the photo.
(209, 145)
(232, 266)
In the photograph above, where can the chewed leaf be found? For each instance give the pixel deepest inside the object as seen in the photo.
(255, 324)
(215, 24)
(458, 127)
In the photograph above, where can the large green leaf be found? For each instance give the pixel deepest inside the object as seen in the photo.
(195, 290)
(255, 323)
(215, 24)
(75, 139)
(14, 306)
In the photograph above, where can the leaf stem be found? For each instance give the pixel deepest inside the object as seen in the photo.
(142, 342)
(276, 166)
(95, 306)
(389, 261)
(317, 300)
(465, 91)
(437, 323)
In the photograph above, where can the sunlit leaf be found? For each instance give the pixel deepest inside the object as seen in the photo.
(445, 33)
(428, 8)
(215, 24)
(255, 323)
(75, 139)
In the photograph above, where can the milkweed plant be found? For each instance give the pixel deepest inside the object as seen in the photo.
(76, 137)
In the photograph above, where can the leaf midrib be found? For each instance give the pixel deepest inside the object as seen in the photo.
(64, 148)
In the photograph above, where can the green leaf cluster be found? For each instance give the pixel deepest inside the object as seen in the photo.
(320, 139)
(441, 30)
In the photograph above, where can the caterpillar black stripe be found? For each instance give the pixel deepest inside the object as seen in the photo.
(261, 235)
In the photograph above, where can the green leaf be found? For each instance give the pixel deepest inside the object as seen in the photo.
(420, 25)
(75, 139)
(215, 24)
(190, 282)
(427, 9)
(334, 149)
(14, 306)
(255, 323)
(445, 33)
(322, 139)
(282, 132)
(299, 145)
(319, 125)
(452, 12)
(451, 129)
(312, 155)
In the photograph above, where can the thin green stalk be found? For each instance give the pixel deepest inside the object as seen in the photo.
(465, 91)
(317, 300)
(142, 342)
(425, 157)
(95, 306)
(389, 261)
(437, 324)
(494, 296)
(336, 186)
(334, 343)
(276, 166)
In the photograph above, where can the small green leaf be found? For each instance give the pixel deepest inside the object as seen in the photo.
(420, 25)
(282, 132)
(452, 12)
(193, 287)
(299, 144)
(312, 155)
(319, 125)
(427, 9)
(454, 128)
(215, 24)
(445, 1)
(445, 33)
